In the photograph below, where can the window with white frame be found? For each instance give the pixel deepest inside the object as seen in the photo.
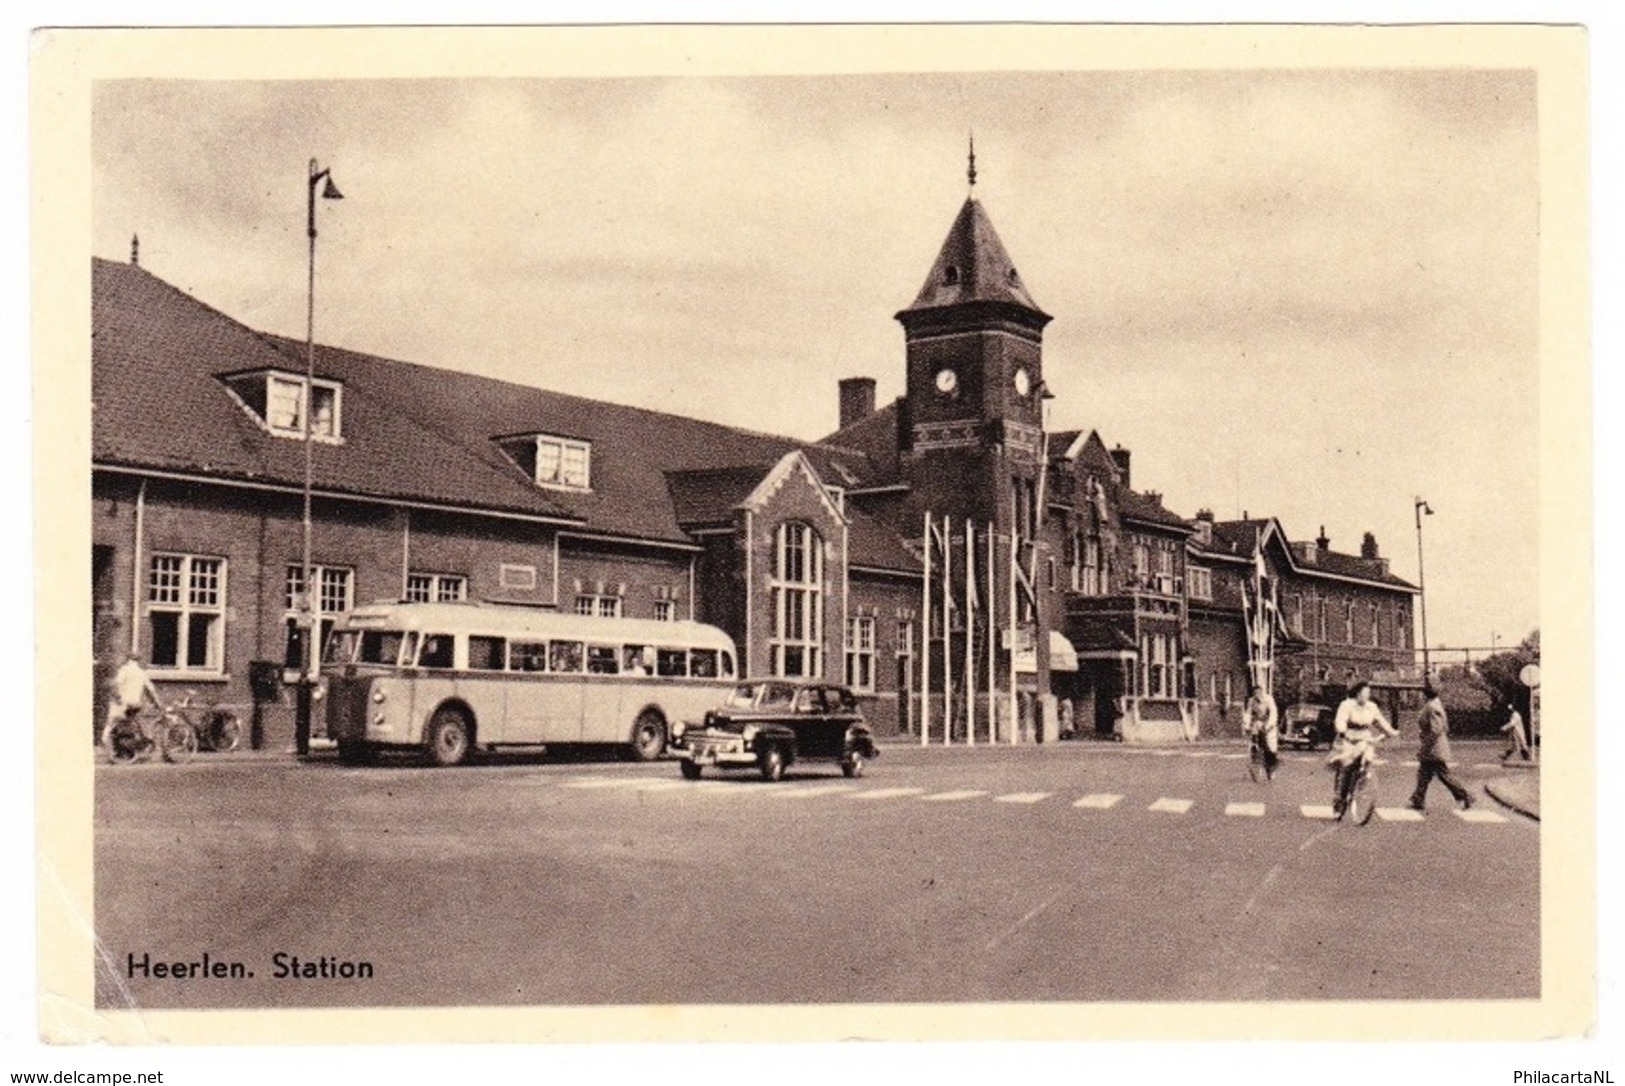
(1348, 621)
(186, 612)
(436, 588)
(601, 606)
(1093, 582)
(797, 590)
(335, 594)
(1199, 582)
(278, 399)
(665, 611)
(1376, 629)
(860, 653)
(1142, 562)
(563, 462)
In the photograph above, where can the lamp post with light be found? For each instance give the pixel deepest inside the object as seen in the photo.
(308, 593)
(1422, 583)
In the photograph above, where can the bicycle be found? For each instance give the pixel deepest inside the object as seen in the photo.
(1356, 793)
(136, 737)
(217, 727)
(1258, 758)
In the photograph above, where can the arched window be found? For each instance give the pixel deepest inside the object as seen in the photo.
(797, 589)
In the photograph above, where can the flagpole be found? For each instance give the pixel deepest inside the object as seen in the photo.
(992, 642)
(1015, 728)
(947, 632)
(925, 640)
(970, 633)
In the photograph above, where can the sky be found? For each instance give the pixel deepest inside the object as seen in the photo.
(1307, 294)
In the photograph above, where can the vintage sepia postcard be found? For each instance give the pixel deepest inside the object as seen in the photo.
(803, 533)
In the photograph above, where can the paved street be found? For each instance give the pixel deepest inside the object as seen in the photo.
(1073, 872)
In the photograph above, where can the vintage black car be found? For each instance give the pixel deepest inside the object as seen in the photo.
(772, 723)
(1307, 724)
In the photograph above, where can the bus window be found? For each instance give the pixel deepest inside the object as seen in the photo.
(381, 646)
(671, 663)
(341, 647)
(602, 660)
(636, 660)
(436, 651)
(727, 665)
(487, 653)
(703, 663)
(564, 656)
(527, 656)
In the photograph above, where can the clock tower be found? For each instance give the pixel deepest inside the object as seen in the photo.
(971, 429)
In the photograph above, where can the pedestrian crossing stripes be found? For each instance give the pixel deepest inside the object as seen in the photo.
(887, 793)
(743, 789)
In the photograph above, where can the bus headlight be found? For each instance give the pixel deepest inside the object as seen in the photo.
(378, 696)
(678, 729)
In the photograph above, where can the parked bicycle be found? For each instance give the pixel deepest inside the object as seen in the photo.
(217, 726)
(137, 737)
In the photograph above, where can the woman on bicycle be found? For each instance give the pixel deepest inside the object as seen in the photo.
(1260, 719)
(1356, 719)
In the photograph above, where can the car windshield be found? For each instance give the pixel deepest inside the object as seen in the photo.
(743, 696)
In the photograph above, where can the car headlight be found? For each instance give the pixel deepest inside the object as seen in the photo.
(749, 733)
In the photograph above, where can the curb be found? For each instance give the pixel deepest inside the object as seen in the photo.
(1498, 791)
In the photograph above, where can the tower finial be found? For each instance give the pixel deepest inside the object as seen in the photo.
(971, 171)
(135, 249)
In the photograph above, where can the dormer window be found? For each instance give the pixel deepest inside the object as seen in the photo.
(950, 275)
(277, 400)
(563, 462)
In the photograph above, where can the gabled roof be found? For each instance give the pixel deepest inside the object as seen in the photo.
(1240, 537)
(159, 404)
(874, 437)
(973, 267)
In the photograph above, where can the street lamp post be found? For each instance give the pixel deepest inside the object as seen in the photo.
(307, 616)
(1422, 584)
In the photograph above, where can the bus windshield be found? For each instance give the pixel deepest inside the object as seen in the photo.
(380, 647)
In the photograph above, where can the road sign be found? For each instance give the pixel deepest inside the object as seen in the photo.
(1530, 675)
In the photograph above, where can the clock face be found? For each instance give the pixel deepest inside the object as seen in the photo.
(947, 381)
(1023, 383)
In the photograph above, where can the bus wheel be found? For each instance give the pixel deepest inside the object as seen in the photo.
(448, 737)
(648, 736)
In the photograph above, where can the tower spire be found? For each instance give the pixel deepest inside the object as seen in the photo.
(970, 172)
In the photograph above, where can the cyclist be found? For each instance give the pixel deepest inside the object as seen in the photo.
(131, 687)
(1356, 718)
(1261, 718)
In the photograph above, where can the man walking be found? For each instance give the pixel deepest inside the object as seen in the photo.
(1433, 751)
(1517, 743)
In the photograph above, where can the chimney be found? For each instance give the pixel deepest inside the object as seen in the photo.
(857, 399)
(1204, 526)
(1322, 542)
(1120, 457)
(1205, 514)
(1368, 548)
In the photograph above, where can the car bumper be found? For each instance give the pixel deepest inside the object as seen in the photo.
(708, 750)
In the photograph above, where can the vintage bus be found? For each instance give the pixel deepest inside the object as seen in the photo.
(445, 678)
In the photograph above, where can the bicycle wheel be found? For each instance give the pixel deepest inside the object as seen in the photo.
(1362, 799)
(226, 731)
(1255, 761)
(122, 742)
(177, 739)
